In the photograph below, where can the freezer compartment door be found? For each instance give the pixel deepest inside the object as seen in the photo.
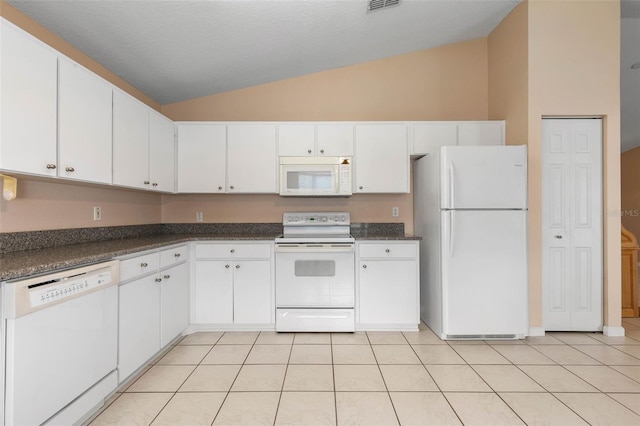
(484, 274)
(483, 177)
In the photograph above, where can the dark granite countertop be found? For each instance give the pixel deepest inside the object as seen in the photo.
(32, 253)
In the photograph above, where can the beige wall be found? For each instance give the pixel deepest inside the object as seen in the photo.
(574, 69)
(445, 83)
(630, 177)
(47, 204)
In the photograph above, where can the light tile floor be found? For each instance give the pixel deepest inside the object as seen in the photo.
(386, 378)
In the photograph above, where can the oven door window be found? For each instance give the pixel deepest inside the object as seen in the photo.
(315, 268)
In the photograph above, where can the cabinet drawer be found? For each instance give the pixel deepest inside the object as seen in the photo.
(231, 251)
(173, 255)
(391, 250)
(139, 265)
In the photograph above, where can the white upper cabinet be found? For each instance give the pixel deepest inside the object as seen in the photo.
(381, 158)
(162, 152)
(201, 157)
(84, 124)
(130, 141)
(429, 136)
(252, 163)
(28, 97)
(315, 139)
(476, 133)
(143, 145)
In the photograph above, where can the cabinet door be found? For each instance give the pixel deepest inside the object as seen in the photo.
(252, 292)
(296, 140)
(252, 163)
(335, 139)
(139, 324)
(174, 302)
(429, 137)
(481, 133)
(388, 292)
(381, 147)
(28, 102)
(130, 141)
(84, 124)
(213, 292)
(201, 157)
(161, 152)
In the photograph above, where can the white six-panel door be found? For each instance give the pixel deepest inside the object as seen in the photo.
(572, 224)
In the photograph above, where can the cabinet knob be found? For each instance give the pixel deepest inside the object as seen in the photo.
(219, 188)
(322, 151)
(226, 266)
(176, 255)
(361, 187)
(237, 266)
(158, 280)
(364, 266)
(166, 277)
(559, 237)
(146, 182)
(70, 169)
(154, 184)
(387, 251)
(51, 166)
(232, 250)
(231, 187)
(309, 151)
(144, 264)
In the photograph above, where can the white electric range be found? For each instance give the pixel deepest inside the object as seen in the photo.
(315, 277)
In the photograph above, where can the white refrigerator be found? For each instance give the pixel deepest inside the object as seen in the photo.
(470, 208)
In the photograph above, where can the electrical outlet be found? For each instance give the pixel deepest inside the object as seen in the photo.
(97, 213)
(395, 211)
(198, 216)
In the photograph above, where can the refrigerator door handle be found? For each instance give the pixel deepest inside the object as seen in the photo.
(452, 191)
(452, 232)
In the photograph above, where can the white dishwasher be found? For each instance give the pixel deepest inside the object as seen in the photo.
(61, 344)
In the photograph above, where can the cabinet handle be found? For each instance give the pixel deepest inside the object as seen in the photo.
(237, 266)
(51, 166)
(387, 251)
(219, 188)
(146, 182)
(322, 151)
(364, 266)
(70, 169)
(233, 250)
(176, 255)
(166, 277)
(158, 280)
(144, 264)
(154, 184)
(309, 151)
(226, 266)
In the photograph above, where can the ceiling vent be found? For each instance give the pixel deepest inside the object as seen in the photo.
(380, 4)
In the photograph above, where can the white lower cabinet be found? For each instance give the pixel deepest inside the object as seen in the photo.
(154, 305)
(387, 282)
(233, 284)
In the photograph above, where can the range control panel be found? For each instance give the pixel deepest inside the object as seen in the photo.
(320, 219)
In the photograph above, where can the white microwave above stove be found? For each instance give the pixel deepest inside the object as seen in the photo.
(315, 176)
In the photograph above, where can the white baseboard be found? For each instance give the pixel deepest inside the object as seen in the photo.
(613, 331)
(536, 331)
